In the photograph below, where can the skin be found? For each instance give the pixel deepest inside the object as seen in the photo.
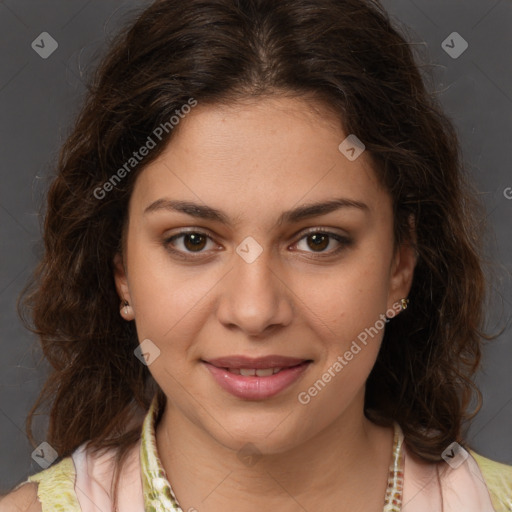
(254, 160)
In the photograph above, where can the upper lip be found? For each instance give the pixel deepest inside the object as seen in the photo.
(243, 362)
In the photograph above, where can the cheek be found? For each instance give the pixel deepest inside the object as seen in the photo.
(347, 299)
(167, 299)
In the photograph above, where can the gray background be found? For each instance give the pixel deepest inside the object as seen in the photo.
(38, 99)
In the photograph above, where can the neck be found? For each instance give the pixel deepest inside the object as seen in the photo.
(336, 464)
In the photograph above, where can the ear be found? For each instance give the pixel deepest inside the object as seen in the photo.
(402, 270)
(121, 278)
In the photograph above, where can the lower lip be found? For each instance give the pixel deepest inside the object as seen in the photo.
(254, 387)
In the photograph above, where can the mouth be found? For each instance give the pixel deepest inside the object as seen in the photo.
(256, 379)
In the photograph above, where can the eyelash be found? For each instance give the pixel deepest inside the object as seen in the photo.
(342, 240)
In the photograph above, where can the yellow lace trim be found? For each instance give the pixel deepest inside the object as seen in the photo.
(498, 478)
(394, 491)
(56, 487)
(158, 493)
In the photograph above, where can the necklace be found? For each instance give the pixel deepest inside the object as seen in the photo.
(394, 491)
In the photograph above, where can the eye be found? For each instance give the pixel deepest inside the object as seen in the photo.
(319, 240)
(192, 242)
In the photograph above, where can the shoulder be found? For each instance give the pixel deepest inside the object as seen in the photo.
(498, 479)
(22, 499)
(476, 484)
(49, 490)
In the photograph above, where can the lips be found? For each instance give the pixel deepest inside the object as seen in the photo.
(256, 379)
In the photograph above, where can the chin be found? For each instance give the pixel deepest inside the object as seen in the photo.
(264, 437)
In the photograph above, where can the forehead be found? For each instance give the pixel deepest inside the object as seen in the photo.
(274, 152)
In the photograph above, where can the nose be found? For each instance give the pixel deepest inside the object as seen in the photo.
(254, 296)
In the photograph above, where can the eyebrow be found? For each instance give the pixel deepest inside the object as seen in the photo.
(291, 216)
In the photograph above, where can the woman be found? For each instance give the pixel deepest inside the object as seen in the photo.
(262, 287)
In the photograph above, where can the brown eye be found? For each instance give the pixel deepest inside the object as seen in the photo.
(187, 242)
(194, 241)
(319, 241)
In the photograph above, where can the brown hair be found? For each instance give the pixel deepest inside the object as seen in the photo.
(348, 55)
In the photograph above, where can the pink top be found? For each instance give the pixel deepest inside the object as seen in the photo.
(82, 482)
(462, 490)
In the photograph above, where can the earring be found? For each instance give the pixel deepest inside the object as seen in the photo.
(405, 303)
(126, 308)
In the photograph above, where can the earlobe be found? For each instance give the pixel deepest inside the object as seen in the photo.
(404, 263)
(403, 273)
(120, 278)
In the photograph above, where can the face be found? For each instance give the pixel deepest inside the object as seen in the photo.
(254, 271)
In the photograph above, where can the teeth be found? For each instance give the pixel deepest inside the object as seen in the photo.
(251, 372)
(265, 372)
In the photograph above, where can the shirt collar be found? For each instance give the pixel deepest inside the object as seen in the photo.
(157, 491)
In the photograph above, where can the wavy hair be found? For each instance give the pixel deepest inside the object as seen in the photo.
(346, 54)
